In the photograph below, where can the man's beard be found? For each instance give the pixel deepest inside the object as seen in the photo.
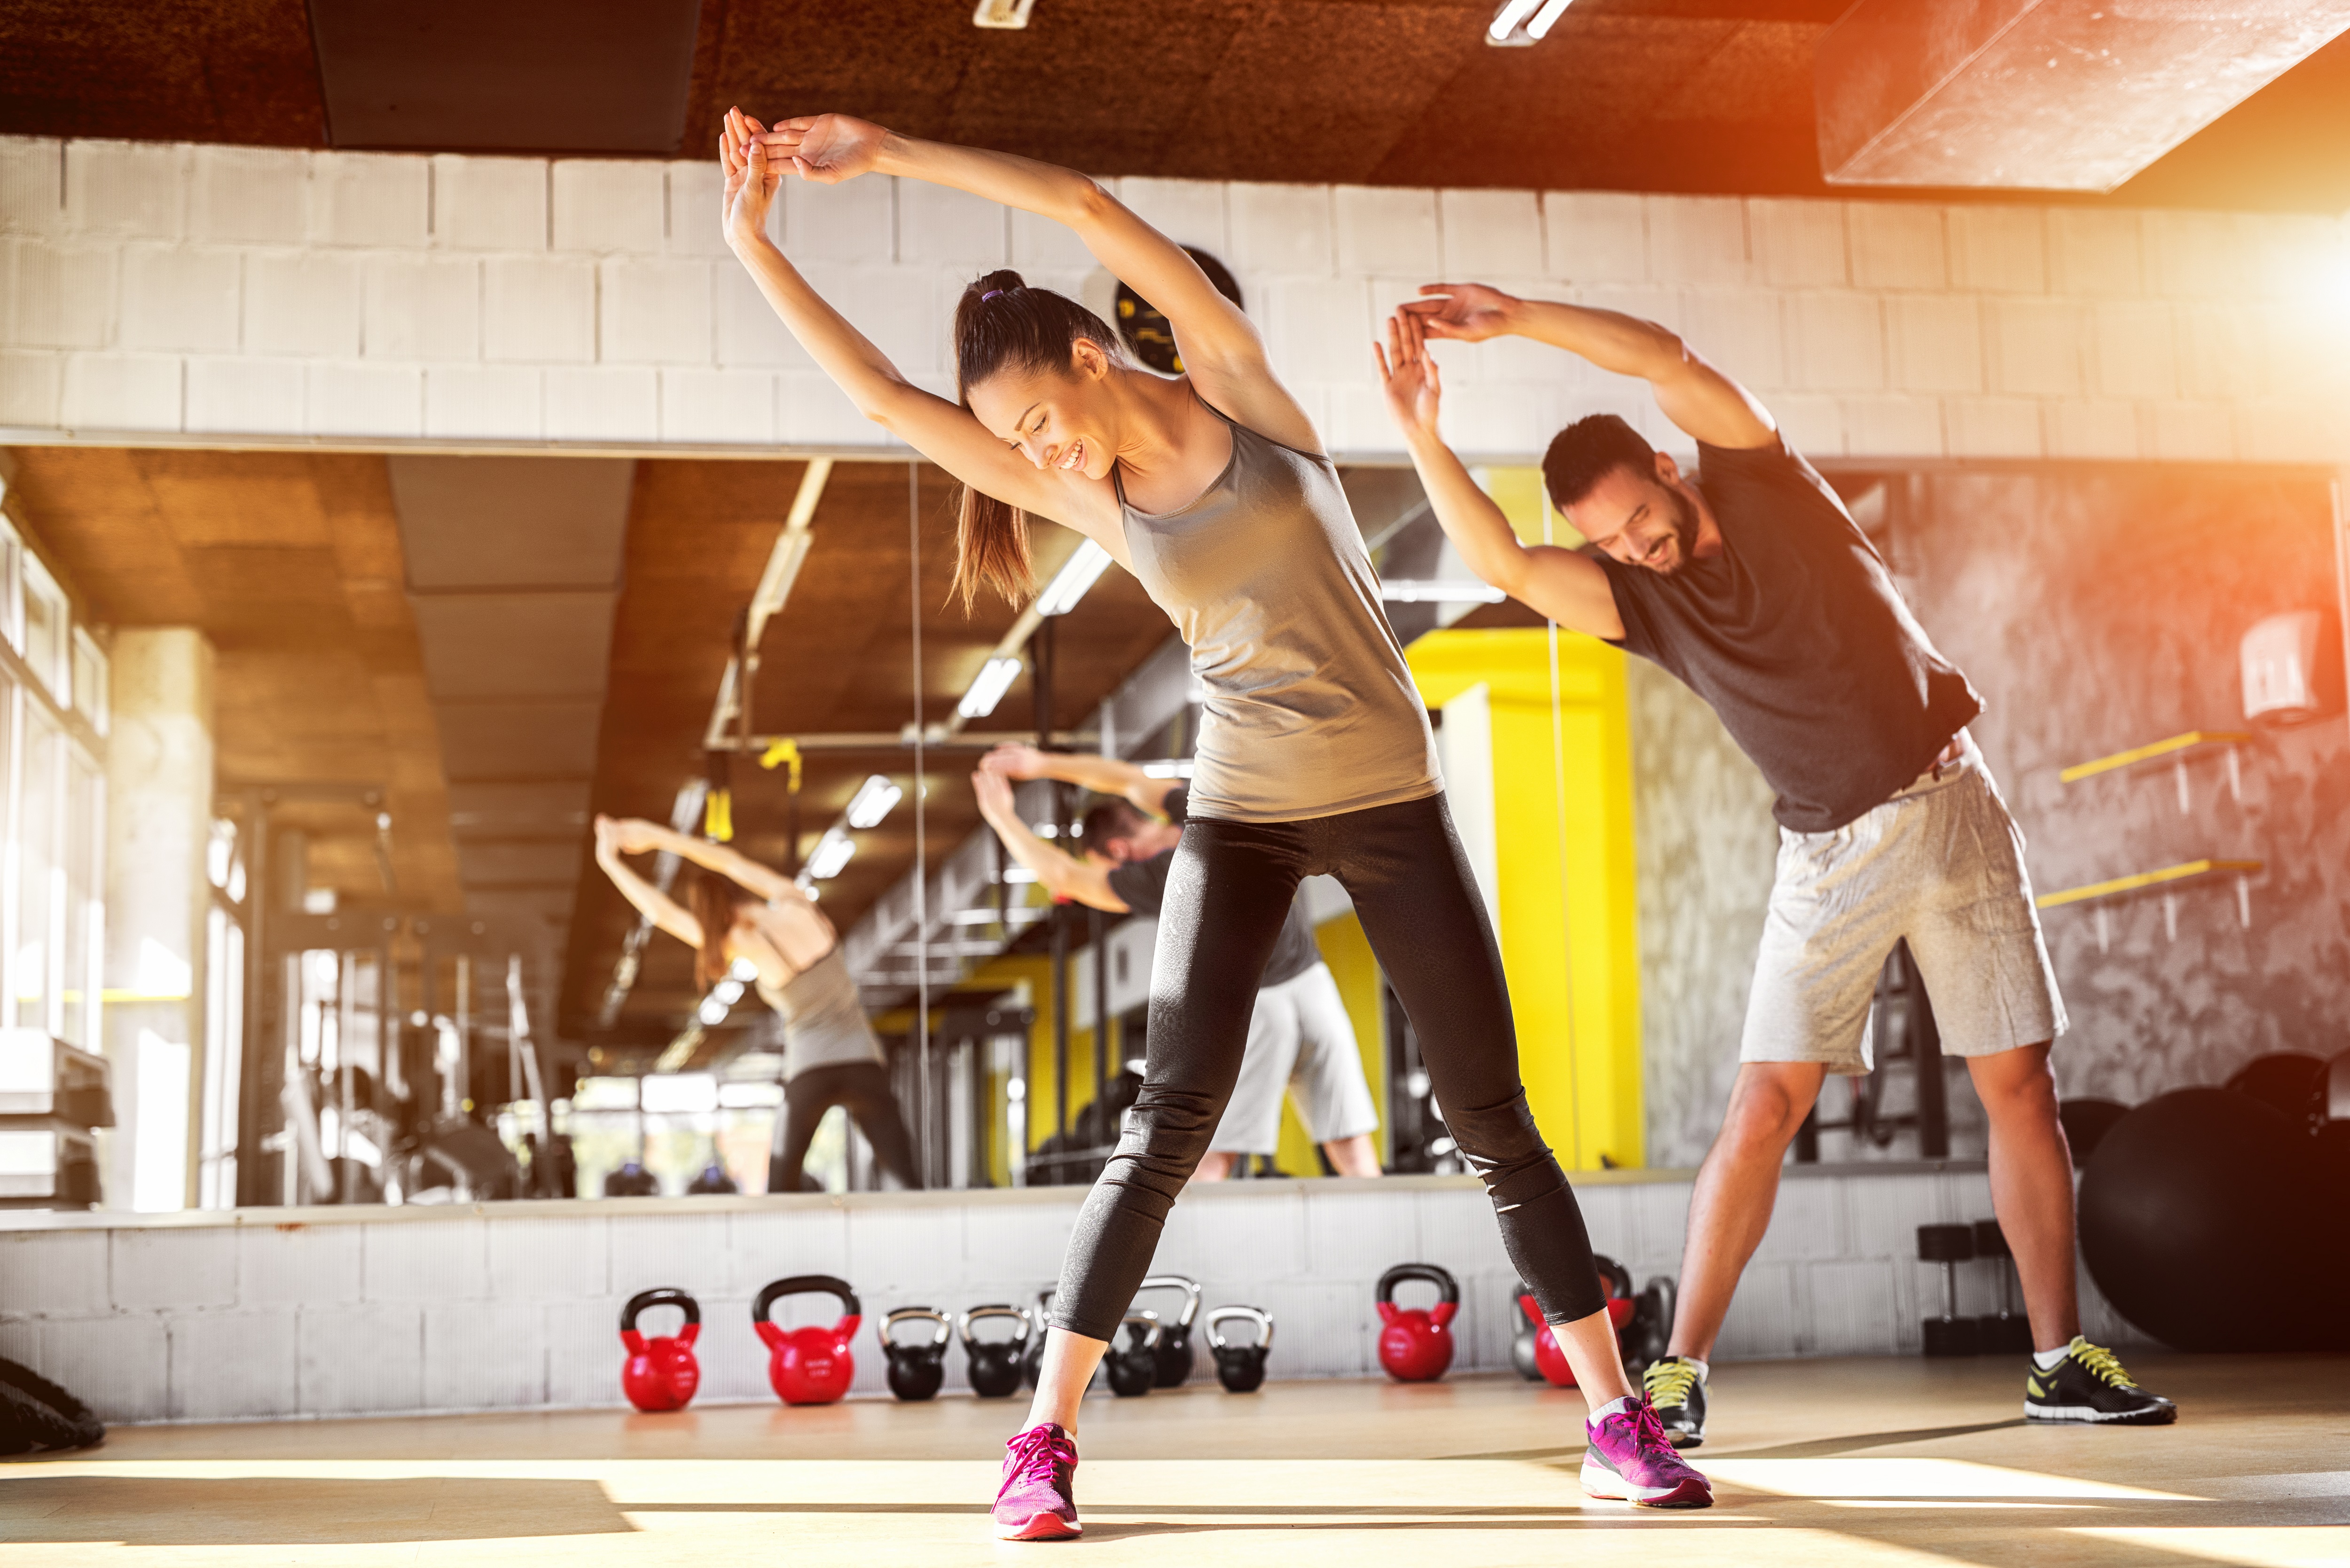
(1685, 526)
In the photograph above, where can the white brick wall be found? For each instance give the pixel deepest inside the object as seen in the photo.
(330, 1312)
(150, 291)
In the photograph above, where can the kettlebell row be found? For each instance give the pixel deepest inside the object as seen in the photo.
(816, 1365)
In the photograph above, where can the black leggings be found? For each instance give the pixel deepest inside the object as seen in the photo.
(864, 1088)
(1227, 893)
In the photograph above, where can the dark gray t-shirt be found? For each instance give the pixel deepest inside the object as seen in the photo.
(1143, 885)
(1796, 636)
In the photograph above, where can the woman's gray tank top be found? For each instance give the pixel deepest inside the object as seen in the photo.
(1310, 710)
(824, 1018)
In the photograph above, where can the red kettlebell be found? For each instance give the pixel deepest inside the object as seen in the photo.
(660, 1373)
(1548, 1357)
(1416, 1346)
(809, 1365)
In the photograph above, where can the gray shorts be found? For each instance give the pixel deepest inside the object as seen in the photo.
(1941, 863)
(1300, 1040)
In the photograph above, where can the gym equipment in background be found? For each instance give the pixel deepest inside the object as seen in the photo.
(810, 1366)
(2282, 1081)
(1648, 1336)
(917, 1367)
(37, 1414)
(1134, 1365)
(53, 1099)
(1041, 1316)
(1523, 1336)
(2086, 1124)
(1949, 1245)
(997, 1366)
(1240, 1367)
(1416, 1342)
(660, 1373)
(2188, 1187)
(1550, 1362)
(1175, 1338)
(2006, 1330)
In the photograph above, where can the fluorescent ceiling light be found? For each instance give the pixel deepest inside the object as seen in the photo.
(989, 689)
(1069, 584)
(1018, 874)
(1440, 591)
(1505, 20)
(712, 1011)
(832, 853)
(874, 799)
(1546, 18)
(1002, 13)
(1167, 770)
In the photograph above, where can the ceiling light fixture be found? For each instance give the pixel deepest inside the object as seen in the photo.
(1546, 18)
(1002, 13)
(1069, 584)
(995, 680)
(874, 799)
(831, 852)
(1440, 591)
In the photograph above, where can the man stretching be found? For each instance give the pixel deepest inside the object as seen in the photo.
(1750, 583)
(1299, 1035)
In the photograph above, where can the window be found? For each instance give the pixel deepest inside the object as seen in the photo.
(40, 871)
(90, 680)
(46, 628)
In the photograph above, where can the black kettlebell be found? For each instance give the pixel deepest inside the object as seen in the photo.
(1240, 1367)
(1134, 1365)
(996, 1366)
(1175, 1338)
(916, 1367)
(1041, 1315)
(1522, 1339)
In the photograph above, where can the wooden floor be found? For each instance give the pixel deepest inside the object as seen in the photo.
(1815, 1465)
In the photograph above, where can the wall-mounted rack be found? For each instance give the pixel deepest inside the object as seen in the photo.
(2177, 748)
(2168, 878)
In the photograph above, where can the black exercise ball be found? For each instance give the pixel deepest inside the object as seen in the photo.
(2205, 1223)
(2086, 1124)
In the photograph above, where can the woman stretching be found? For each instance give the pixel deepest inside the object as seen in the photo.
(1315, 755)
(737, 911)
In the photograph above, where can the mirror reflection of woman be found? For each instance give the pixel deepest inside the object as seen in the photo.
(1212, 488)
(738, 911)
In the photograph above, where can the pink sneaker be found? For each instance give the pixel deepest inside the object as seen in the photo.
(1038, 1500)
(1630, 1461)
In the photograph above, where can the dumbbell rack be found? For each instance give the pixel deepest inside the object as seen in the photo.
(53, 1098)
(2003, 1331)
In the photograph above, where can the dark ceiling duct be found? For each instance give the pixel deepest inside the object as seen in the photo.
(508, 76)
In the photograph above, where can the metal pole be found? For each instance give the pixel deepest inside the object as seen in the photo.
(923, 1163)
(258, 1012)
(1099, 934)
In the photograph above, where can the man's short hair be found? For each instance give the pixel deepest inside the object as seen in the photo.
(1106, 820)
(1587, 451)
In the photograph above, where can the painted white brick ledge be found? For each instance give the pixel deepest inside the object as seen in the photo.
(173, 293)
(281, 1313)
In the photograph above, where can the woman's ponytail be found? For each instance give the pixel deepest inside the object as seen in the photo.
(1002, 324)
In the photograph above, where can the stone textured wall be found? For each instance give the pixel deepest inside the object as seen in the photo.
(2099, 610)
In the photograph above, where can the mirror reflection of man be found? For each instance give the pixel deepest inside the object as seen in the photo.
(1300, 1038)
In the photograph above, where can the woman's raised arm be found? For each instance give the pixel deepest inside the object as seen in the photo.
(942, 431)
(1220, 349)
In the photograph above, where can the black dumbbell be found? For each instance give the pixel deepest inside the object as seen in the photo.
(2006, 1330)
(917, 1367)
(1134, 1365)
(1175, 1338)
(996, 1365)
(1240, 1367)
(1949, 1245)
(1647, 1336)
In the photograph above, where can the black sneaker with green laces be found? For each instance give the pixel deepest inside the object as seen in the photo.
(2089, 1385)
(1678, 1395)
